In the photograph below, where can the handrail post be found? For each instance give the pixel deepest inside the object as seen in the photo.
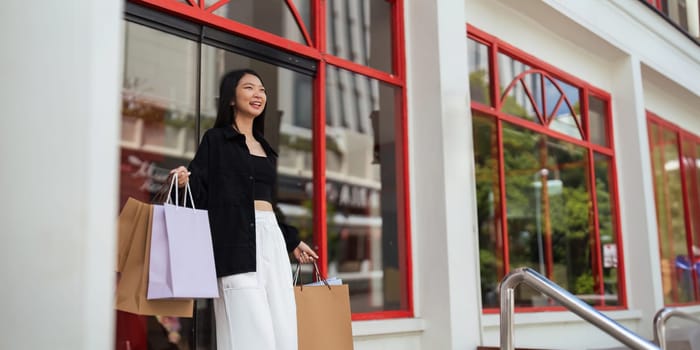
(660, 320)
(507, 292)
(567, 300)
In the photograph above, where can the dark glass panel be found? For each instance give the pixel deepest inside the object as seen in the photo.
(158, 134)
(610, 247)
(566, 118)
(524, 99)
(597, 121)
(675, 272)
(479, 72)
(548, 209)
(366, 242)
(488, 208)
(360, 31)
(273, 16)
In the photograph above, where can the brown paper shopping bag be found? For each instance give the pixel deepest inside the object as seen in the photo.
(134, 246)
(323, 317)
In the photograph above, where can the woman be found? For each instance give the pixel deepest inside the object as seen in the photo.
(233, 176)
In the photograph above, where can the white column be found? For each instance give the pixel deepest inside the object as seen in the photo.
(59, 96)
(446, 254)
(638, 213)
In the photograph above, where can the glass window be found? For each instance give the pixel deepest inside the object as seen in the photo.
(608, 288)
(547, 197)
(158, 134)
(562, 107)
(597, 122)
(360, 31)
(479, 73)
(692, 191)
(676, 274)
(366, 245)
(523, 95)
(488, 208)
(550, 212)
(273, 16)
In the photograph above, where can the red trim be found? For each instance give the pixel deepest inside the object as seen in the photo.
(237, 28)
(568, 103)
(614, 194)
(214, 7)
(503, 210)
(597, 266)
(381, 315)
(364, 70)
(533, 309)
(530, 60)
(667, 206)
(530, 125)
(319, 24)
(495, 77)
(300, 22)
(543, 93)
(686, 213)
(581, 119)
(400, 69)
(681, 136)
(319, 167)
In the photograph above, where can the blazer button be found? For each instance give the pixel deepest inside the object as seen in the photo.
(250, 178)
(252, 224)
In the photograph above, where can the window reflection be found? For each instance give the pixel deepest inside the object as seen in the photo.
(360, 31)
(479, 73)
(365, 243)
(548, 210)
(562, 107)
(488, 204)
(609, 249)
(158, 133)
(597, 121)
(675, 265)
(524, 97)
(273, 16)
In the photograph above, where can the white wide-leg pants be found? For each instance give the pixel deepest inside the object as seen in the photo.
(256, 310)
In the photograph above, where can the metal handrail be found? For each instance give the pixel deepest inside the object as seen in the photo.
(571, 302)
(660, 320)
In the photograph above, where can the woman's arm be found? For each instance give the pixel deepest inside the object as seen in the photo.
(197, 174)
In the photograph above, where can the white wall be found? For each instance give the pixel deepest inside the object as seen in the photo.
(670, 101)
(59, 93)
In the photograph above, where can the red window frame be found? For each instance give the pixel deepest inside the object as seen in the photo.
(682, 135)
(655, 3)
(495, 46)
(316, 49)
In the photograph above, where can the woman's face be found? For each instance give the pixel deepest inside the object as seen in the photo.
(250, 96)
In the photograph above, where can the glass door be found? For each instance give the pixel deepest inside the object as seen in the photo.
(171, 76)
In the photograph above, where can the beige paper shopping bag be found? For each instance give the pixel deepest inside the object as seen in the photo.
(323, 317)
(134, 244)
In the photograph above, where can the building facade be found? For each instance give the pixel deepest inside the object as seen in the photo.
(427, 148)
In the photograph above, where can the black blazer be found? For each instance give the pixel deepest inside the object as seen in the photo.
(222, 182)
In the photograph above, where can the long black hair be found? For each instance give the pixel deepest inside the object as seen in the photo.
(227, 93)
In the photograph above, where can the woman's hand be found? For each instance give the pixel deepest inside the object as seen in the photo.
(304, 253)
(182, 175)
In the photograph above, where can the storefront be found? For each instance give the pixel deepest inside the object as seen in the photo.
(334, 72)
(378, 150)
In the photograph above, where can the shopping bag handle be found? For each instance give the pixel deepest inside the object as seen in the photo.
(188, 190)
(297, 276)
